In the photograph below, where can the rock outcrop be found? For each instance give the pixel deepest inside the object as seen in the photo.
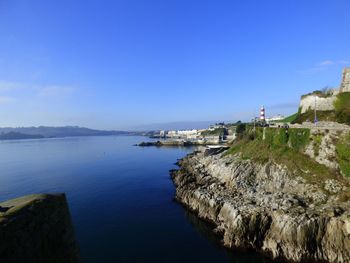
(37, 228)
(265, 207)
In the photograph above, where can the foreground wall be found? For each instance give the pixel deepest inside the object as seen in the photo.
(37, 228)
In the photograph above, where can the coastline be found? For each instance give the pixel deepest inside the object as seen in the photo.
(263, 208)
(179, 143)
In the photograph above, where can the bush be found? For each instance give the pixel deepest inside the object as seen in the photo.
(281, 137)
(240, 128)
(343, 155)
(310, 115)
(299, 138)
(342, 107)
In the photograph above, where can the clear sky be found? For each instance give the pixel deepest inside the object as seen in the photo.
(121, 64)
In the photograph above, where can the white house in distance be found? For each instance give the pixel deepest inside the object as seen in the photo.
(278, 117)
(187, 134)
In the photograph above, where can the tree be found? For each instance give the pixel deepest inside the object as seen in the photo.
(240, 128)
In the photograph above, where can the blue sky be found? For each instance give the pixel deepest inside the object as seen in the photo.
(122, 64)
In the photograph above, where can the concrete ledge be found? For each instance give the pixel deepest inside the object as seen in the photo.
(37, 228)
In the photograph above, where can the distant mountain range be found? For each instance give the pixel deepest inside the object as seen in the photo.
(9, 133)
(17, 135)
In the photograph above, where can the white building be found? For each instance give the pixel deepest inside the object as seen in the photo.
(171, 134)
(162, 133)
(185, 134)
(278, 117)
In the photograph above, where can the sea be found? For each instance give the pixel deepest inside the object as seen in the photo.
(120, 196)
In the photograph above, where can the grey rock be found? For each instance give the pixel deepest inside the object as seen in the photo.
(266, 207)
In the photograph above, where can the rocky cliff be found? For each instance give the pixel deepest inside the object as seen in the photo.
(268, 207)
(37, 228)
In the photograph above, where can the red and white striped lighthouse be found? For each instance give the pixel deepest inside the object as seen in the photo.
(262, 114)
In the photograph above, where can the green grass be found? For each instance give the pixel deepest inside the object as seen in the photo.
(296, 162)
(294, 138)
(285, 148)
(317, 140)
(342, 107)
(343, 154)
(310, 116)
(299, 138)
(288, 119)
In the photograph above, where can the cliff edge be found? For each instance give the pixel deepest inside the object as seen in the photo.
(275, 200)
(37, 228)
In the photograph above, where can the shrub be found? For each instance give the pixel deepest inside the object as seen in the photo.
(240, 128)
(282, 137)
(299, 138)
(343, 154)
(317, 143)
(342, 107)
(309, 115)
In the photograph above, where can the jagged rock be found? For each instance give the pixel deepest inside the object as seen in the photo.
(326, 152)
(333, 186)
(265, 207)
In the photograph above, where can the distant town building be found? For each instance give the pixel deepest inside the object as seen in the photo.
(216, 126)
(184, 134)
(171, 134)
(162, 133)
(187, 132)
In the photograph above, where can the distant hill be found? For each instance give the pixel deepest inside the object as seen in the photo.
(55, 132)
(17, 136)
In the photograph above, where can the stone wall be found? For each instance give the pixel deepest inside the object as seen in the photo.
(307, 102)
(322, 125)
(322, 104)
(345, 85)
(37, 228)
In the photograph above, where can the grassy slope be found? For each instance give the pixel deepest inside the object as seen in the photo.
(289, 118)
(285, 149)
(310, 115)
(343, 154)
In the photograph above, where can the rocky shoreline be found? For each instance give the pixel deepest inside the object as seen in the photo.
(265, 207)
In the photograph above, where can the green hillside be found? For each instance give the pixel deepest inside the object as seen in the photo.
(289, 119)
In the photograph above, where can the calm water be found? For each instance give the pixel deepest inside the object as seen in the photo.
(120, 198)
